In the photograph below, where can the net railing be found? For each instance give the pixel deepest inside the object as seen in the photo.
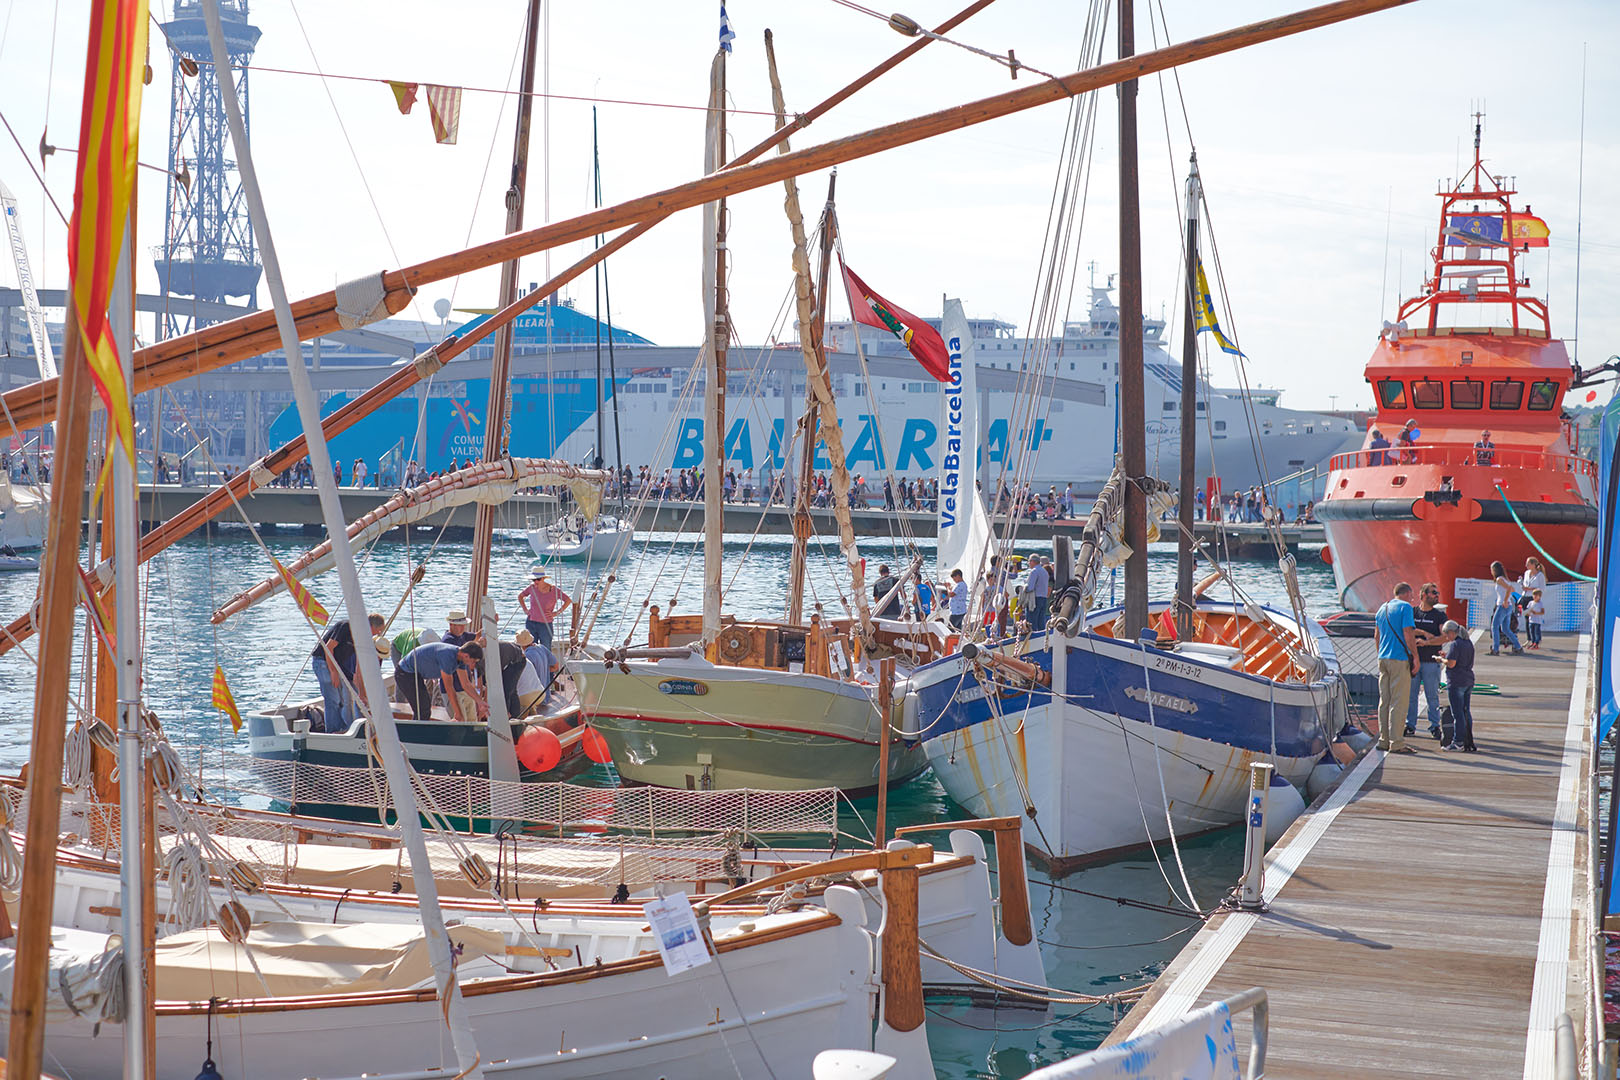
(560, 808)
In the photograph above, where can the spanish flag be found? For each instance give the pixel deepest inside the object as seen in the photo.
(310, 606)
(109, 132)
(223, 701)
(1527, 230)
(1204, 314)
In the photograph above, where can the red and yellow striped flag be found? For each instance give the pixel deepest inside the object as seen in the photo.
(109, 135)
(310, 606)
(223, 701)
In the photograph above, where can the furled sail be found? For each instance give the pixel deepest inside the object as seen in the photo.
(490, 482)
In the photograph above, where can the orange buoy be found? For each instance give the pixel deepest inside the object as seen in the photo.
(595, 747)
(539, 749)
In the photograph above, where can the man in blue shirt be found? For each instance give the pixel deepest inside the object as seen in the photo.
(1040, 589)
(1397, 663)
(451, 667)
(959, 599)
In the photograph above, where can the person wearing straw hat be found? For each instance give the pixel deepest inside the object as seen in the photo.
(542, 602)
(458, 634)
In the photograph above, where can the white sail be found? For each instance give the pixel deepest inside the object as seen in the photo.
(964, 528)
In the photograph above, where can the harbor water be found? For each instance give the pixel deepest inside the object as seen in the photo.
(1093, 942)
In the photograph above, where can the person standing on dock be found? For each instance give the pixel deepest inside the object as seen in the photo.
(1502, 616)
(1459, 661)
(1428, 619)
(1397, 664)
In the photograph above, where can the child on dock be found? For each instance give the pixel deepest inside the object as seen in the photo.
(1535, 611)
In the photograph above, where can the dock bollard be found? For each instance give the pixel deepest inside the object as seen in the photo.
(1251, 898)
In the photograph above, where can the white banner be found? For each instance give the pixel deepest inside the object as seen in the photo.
(964, 530)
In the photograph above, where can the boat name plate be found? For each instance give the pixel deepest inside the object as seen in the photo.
(688, 687)
(1178, 667)
(1161, 700)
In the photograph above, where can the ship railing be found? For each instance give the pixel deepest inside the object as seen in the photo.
(1464, 456)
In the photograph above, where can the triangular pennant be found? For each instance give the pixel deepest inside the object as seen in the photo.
(404, 95)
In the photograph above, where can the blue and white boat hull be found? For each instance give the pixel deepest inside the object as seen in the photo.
(1114, 754)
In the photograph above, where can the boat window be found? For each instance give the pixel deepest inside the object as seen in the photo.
(1467, 393)
(1543, 395)
(1220, 425)
(1506, 393)
(1392, 393)
(1428, 394)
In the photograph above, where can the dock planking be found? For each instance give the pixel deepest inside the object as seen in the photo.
(1405, 942)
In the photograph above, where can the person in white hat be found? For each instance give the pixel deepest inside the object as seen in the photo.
(541, 603)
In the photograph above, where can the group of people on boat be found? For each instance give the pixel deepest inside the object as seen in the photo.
(1404, 451)
(430, 667)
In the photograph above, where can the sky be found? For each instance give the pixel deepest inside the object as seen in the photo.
(1320, 155)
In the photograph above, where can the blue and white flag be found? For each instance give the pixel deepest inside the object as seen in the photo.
(1608, 623)
(726, 34)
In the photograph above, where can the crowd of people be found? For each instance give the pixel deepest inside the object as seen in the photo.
(1418, 642)
(1016, 593)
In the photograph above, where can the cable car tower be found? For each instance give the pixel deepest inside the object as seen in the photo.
(208, 252)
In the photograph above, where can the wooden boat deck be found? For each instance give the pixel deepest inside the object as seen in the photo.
(1430, 917)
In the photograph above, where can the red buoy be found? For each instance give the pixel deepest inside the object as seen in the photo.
(539, 749)
(595, 747)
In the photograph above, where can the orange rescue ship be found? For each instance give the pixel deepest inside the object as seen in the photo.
(1491, 466)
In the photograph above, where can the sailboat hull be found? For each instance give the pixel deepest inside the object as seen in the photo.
(1128, 754)
(597, 545)
(693, 724)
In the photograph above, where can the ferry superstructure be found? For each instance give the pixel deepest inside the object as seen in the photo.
(890, 408)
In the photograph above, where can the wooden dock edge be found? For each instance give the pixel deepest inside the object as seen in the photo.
(1569, 977)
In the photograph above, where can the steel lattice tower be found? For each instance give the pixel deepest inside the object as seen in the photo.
(208, 251)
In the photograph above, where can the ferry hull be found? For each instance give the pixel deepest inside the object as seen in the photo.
(692, 724)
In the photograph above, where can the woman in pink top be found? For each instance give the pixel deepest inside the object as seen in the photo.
(542, 602)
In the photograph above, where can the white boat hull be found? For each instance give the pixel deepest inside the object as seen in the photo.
(597, 545)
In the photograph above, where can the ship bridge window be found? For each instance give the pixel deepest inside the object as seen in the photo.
(1428, 394)
(1506, 393)
(1467, 393)
(1220, 425)
(1392, 393)
(1543, 395)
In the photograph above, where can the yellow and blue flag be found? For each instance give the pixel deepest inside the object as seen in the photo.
(1204, 315)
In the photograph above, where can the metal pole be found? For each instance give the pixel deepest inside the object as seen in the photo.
(1189, 417)
(1254, 842)
(1133, 421)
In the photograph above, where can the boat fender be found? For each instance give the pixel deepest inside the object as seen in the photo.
(909, 706)
(1327, 554)
(1357, 740)
(852, 1064)
(1284, 804)
(1324, 776)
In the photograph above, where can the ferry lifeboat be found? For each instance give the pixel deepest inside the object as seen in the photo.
(1447, 504)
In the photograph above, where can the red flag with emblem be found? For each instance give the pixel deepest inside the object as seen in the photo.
(921, 340)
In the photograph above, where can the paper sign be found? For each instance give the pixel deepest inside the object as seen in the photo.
(675, 928)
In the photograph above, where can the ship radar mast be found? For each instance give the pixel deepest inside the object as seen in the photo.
(1475, 256)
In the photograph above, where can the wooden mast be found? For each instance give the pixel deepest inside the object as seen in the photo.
(500, 368)
(1132, 421)
(813, 344)
(714, 375)
(59, 578)
(821, 416)
(1189, 418)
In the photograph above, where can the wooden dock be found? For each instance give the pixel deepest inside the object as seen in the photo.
(1425, 916)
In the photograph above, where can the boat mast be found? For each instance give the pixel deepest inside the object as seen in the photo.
(500, 365)
(714, 376)
(396, 765)
(1132, 418)
(813, 345)
(596, 181)
(1189, 416)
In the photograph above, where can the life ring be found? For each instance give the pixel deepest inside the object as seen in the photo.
(736, 646)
